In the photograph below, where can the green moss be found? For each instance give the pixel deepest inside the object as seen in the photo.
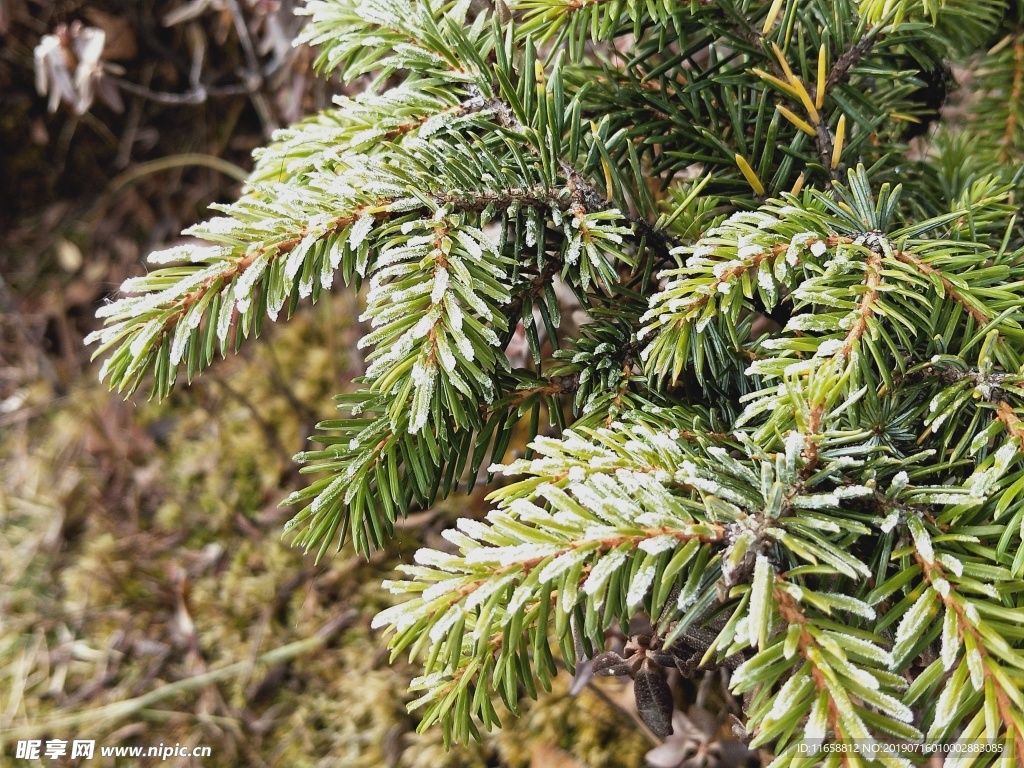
(141, 545)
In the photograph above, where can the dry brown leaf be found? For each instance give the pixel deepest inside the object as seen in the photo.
(120, 43)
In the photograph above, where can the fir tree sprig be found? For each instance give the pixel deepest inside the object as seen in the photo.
(788, 432)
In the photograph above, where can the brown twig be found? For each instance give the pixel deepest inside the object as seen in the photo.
(866, 308)
(824, 143)
(252, 74)
(850, 57)
(823, 139)
(236, 267)
(534, 288)
(926, 269)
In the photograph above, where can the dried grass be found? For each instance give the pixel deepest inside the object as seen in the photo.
(147, 596)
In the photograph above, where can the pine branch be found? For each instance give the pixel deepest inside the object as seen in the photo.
(826, 701)
(581, 191)
(519, 579)
(866, 308)
(797, 449)
(969, 635)
(974, 311)
(968, 626)
(851, 57)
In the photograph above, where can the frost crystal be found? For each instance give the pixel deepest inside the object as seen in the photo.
(572, 253)
(398, 616)
(561, 564)
(444, 350)
(913, 621)
(445, 623)
(436, 559)
(510, 555)
(297, 257)
(181, 337)
(531, 232)
(424, 377)
(890, 521)
(440, 285)
(195, 254)
(790, 695)
(360, 229)
(760, 595)
(658, 544)
(640, 585)
(976, 667)
(830, 347)
(817, 721)
(923, 542)
(954, 565)
(141, 342)
(483, 592)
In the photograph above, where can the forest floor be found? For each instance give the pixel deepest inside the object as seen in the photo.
(146, 594)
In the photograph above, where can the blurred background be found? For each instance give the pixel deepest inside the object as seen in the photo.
(146, 594)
